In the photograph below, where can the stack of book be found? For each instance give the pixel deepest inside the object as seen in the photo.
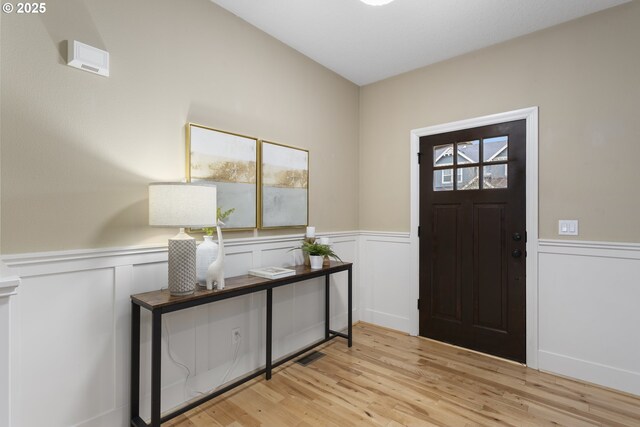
(272, 272)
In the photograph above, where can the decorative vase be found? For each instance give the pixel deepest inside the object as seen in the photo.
(326, 262)
(316, 261)
(205, 254)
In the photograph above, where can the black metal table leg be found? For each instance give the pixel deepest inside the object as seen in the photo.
(327, 300)
(349, 307)
(156, 358)
(269, 333)
(134, 397)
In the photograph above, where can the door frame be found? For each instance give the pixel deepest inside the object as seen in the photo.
(531, 116)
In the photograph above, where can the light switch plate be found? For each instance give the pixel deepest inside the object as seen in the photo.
(568, 227)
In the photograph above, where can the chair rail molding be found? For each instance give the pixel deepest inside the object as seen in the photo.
(531, 117)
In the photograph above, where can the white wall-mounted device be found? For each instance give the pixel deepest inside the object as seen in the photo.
(87, 58)
(568, 227)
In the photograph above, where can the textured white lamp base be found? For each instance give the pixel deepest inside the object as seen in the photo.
(182, 264)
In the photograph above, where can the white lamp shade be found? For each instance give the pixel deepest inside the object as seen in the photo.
(177, 204)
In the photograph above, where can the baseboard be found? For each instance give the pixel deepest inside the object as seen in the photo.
(395, 331)
(595, 373)
(386, 320)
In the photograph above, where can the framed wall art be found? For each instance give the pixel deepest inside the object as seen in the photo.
(284, 189)
(231, 162)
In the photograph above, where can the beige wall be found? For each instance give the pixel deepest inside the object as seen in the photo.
(584, 76)
(78, 150)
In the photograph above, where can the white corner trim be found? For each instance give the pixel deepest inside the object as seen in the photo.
(531, 116)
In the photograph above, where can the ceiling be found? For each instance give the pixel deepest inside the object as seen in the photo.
(365, 43)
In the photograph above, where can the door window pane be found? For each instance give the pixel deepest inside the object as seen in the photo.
(494, 176)
(443, 155)
(470, 179)
(468, 152)
(495, 149)
(443, 180)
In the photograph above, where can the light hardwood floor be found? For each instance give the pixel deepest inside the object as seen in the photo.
(390, 379)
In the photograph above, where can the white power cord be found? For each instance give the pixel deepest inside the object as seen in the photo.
(186, 368)
(235, 361)
(173, 359)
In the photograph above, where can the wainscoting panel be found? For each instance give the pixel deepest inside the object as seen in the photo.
(385, 285)
(72, 317)
(588, 298)
(68, 347)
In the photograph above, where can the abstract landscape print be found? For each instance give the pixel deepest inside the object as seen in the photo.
(285, 185)
(230, 161)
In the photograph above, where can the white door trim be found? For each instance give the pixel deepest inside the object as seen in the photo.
(531, 116)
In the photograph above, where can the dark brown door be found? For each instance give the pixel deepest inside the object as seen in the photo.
(472, 238)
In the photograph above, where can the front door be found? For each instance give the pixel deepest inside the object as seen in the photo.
(472, 238)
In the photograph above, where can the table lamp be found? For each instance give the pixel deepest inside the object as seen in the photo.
(177, 204)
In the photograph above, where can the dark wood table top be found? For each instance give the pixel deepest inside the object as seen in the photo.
(234, 285)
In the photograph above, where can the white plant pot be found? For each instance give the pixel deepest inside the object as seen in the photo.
(316, 261)
(206, 253)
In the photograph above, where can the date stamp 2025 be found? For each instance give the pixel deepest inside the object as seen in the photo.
(24, 8)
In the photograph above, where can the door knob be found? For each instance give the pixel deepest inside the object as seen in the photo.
(516, 237)
(516, 253)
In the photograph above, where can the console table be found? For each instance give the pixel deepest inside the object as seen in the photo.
(161, 302)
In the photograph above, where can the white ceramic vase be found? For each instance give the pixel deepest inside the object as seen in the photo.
(316, 261)
(206, 253)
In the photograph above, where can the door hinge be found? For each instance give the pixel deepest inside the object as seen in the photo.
(418, 304)
(418, 231)
(419, 157)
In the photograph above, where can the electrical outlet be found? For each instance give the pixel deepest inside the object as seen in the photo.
(235, 335)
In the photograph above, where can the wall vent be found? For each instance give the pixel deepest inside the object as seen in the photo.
(88, 58)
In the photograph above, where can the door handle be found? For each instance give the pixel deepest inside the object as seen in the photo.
(516, 253)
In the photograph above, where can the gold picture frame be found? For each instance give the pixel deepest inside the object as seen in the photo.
(284, 186)
(231, 161)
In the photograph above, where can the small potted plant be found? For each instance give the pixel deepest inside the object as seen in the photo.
(317, 252)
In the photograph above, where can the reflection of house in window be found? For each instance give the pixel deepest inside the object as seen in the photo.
(495, 149)
(495, 176)
(469, 166)
(447, 174)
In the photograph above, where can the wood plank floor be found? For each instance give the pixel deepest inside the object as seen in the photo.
(390, 379)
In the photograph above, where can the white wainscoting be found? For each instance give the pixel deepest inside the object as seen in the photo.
(72, 318)
(588, 309)
(589, 296)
